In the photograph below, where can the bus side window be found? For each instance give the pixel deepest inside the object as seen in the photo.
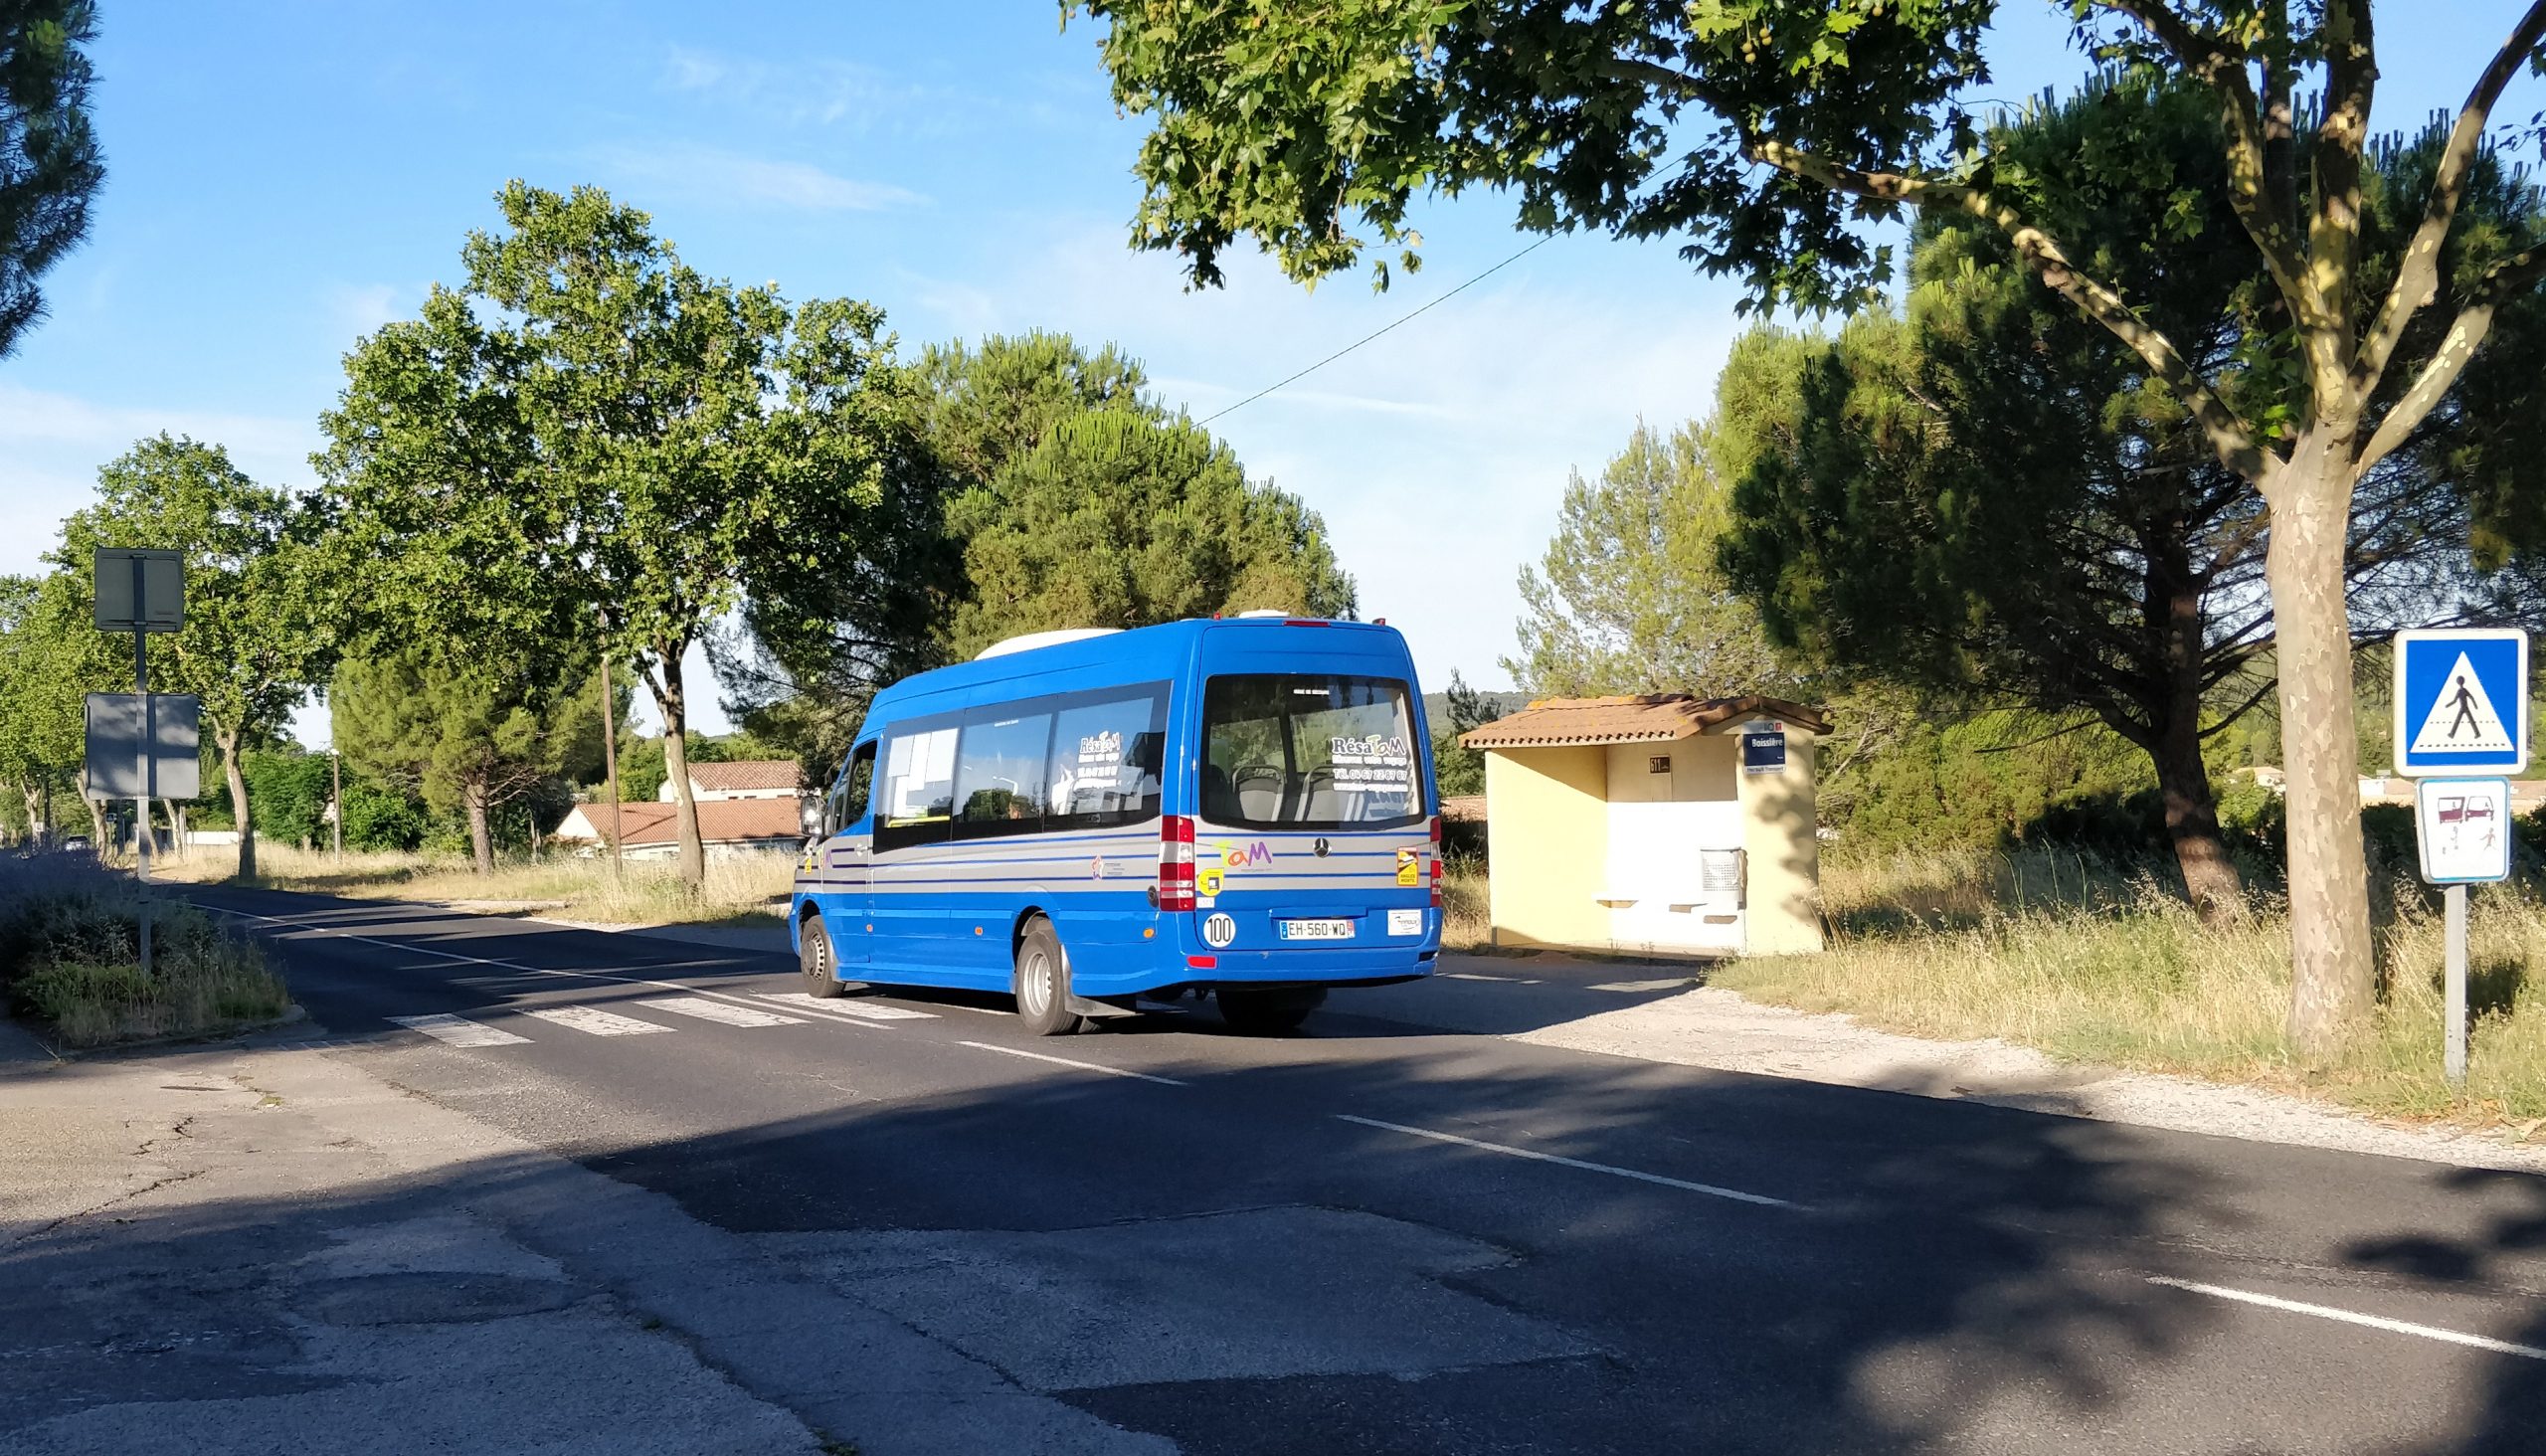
(856, 789)
(918, 798)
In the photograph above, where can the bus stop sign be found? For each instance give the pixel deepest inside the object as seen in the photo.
(2461, 701)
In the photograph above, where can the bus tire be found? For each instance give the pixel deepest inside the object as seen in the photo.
(1043, 982)
(815, 958)
(1270, 1013)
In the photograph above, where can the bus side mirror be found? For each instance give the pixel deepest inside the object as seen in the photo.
(809, 812)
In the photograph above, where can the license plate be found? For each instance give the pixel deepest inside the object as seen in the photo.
(1321, 930)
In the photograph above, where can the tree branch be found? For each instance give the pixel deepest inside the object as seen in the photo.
(2440, 376)
(2333, 228)
(2417, 276)
(2227, 433)
(2221, 66)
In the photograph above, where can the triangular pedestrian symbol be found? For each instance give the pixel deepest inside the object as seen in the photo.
(2461, 718)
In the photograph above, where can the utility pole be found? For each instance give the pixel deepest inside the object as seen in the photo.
(335, 783)
(610, 758)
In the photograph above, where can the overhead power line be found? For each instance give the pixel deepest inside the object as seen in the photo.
(1383, 328)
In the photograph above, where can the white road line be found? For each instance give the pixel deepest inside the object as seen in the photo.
(616, 980)
(2349, 1316)
(595, 1021)
(719, 1012)
(1635, 987)
(1472, 975)
(1066, 1062)
(455, 1031)
(837, 1006)
(1710, 1189)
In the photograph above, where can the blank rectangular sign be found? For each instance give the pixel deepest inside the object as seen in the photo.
(116, 737)
(141, 590)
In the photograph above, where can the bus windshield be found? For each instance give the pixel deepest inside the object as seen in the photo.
(1302, 752)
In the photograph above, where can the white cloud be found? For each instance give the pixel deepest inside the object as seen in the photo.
(363, 309)
(717, 175)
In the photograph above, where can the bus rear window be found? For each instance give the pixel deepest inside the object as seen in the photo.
(1300, 751)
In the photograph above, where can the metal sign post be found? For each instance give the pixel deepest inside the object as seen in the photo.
(2462, 707)
(141, 591)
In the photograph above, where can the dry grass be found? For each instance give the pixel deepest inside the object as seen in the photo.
(1464, 926)
(739, 888)
(2091, 961)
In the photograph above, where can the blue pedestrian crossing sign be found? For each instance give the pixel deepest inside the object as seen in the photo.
(2461, 701)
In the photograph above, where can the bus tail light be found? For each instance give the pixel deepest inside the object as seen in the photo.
(1436, 861)
(1175, 862)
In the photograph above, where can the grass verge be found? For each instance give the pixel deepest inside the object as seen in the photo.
(2093, 960)
(70, 955)
(739, 888)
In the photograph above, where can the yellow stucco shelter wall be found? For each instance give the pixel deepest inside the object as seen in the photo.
(1568, 823)
(1555, 845)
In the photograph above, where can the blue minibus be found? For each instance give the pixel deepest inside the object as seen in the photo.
(1243, 806)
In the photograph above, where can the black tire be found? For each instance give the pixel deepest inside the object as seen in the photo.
(1043, 982)
(814, 958)
(1268, 1012)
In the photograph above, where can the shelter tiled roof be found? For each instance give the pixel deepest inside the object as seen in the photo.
(649, 822)
(748, 774)
(1653, 718)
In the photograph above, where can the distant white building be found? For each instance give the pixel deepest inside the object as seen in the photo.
(750, 779)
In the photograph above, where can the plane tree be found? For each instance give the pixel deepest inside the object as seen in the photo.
(1977, 496)
(1767, 134)
(587, 437)
(258, 630)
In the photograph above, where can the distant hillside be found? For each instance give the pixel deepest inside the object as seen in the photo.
(1436, 706)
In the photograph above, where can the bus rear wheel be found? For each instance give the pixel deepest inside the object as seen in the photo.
(815, 960)
(1268, 1012)
(1043, 982)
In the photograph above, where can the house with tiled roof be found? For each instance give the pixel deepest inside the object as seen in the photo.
(748, 779)
(651, 830)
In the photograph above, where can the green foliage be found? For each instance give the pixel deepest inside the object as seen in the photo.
(378, 818)
(476, 731)
(589, 438)
(260, 625)
(51, 655)
(1629, 597)
(1457, 770)
(1309, 130)
(1077, 502)
(69, 950)
(1986, 782)
(640, 768)
(288, 796)
(50, 162)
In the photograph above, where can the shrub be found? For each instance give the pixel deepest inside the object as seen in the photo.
(71, 947)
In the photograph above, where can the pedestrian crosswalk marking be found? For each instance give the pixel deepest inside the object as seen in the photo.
(719, 1012)
(2461, 717)
(866, 1010)
(457, 1031)
(595, 1022)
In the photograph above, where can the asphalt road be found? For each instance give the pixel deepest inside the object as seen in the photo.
(1386, 1237)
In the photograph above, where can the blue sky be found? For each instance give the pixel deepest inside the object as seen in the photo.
(284, 177)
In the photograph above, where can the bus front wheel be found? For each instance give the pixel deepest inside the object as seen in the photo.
(1258, 1012)
(813, 959)
(1043, 982)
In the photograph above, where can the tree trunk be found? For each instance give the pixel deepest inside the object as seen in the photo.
(693, 851)
(96, 824)
(2333, 978)
(2192, 819)
(31, 788)
(229, 770)
(481, 834)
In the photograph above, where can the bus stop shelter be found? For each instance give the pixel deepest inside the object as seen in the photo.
(1663, 824)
